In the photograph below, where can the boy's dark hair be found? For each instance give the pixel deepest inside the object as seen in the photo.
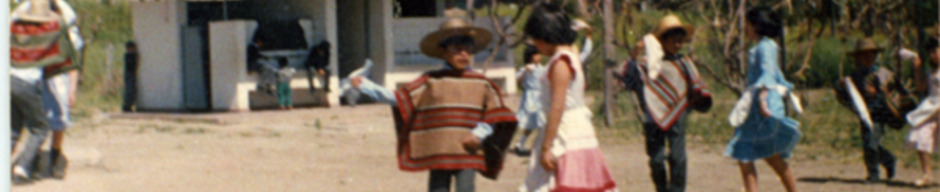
(766, 21)
(932, 44)
(456, 40)
(674, 32)
(550, 24)
(282, 62)
(530, 51)
(130, 44)
(324, 45)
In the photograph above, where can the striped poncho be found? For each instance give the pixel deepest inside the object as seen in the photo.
(665, 98)
(438, 110)
(41, 44)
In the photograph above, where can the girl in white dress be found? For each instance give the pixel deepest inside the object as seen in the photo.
(924, 120)
(569, 157)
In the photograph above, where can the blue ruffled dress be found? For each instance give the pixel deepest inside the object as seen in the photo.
(761, 137)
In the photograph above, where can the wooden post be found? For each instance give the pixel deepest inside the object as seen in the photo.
(470, 10)
(608, 59)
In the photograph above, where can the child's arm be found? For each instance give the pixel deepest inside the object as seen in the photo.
(73, 86)
(560, 77)
(380, 94)
(586, 50)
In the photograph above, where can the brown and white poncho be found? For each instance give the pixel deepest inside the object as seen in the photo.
(438, 110)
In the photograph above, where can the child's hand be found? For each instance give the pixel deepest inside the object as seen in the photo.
(356, 81)
(764, 108)
(640, 46)
(321, 72)
(547, 160)
(471, 143)
(870, 90)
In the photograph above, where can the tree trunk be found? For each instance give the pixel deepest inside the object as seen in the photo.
(608, 59)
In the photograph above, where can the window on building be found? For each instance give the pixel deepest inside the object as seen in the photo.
(416, 8)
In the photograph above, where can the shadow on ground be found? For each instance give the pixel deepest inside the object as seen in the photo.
(890, 183)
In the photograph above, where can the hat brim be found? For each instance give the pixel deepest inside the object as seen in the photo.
(481, 40)
(689, 30)
(856, 52)
(24, 16)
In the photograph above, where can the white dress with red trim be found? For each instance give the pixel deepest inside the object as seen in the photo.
(580, 163)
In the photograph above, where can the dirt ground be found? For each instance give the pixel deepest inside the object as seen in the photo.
(352, 149)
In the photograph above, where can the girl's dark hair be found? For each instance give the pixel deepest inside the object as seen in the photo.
(674, 32)
(130, 44)
(324, 45)
(530, 51)
(549, 23)
(931, 44)
(766, 21)
(282, 62)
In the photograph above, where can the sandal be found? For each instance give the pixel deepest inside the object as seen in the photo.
(923, 181)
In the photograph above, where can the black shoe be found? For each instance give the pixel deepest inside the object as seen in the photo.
(872, 179)
(22, 180)
(890, 169)
(58, 166)
(21, 177)
(523, 152)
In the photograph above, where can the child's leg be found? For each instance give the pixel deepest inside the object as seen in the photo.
(749, 173)
(678, 164)
(924, 158)
(525, 136)
(783, 171)
(465, 181)
(288, 96)
(656, 150)
(439, 180)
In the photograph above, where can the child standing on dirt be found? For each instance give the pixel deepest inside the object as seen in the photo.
(451, 121)
(873, 83)
(665, 119)
(530, 113)
(284, 75)
(762, 129)
(569, 157)
(925, 120)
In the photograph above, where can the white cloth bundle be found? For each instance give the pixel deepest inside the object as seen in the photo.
(654, 55)
(743, 106)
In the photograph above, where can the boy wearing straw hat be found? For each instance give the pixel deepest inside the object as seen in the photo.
(874, 84)
(667, 84)
(451, 121)
(39, 42)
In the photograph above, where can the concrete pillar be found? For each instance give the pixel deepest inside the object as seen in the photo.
(157, 30)
(331, 35)
(382, 38)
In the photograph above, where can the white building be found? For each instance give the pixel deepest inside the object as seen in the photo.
(193, 52)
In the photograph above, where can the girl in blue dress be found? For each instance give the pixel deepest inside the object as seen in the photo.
(530, 113)
(766, 132)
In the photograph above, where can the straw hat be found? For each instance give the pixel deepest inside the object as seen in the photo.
(39, 11)
(865, 45)
(451, 28)
(671, 22)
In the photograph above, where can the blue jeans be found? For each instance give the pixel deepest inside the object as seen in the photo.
(27, 113)
(875, 153)
(656, 140)
(440, 180)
